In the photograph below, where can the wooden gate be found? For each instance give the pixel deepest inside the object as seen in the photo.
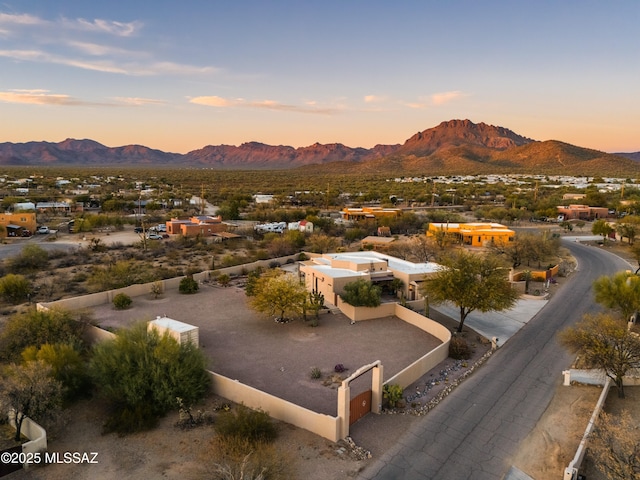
(359, 406)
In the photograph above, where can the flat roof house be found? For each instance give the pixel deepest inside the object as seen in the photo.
(365, 213)
(204, 225)
(582, 212)
(329, 273)
(474, 234)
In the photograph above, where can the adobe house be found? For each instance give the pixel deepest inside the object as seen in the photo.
(203, 225)
(582, 212)
(474, 234)
(16, 222)
(329, 273)
(368, 213)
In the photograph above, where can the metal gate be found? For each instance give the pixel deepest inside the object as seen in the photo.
(359, 406)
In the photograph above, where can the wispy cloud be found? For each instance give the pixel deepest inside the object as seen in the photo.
(436, 99)
(446, 97)
(375, 98)
(120, 29)
(220, 102)
(137, 102)
(108, 65)
(40, 97)
(85, 44)
(45, 97)
(20, 19)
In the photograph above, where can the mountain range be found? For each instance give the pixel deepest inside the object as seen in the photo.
(453, 147)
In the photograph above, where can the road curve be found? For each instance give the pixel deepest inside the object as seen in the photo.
(475, 432)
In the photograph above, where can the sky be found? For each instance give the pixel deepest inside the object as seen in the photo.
(180, 75)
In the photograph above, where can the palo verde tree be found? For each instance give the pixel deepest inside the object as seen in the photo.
(471, 282)
(29, 390)
(36, 328)
(620, 292)
(280, 294)
(604, 342)
(144, 373)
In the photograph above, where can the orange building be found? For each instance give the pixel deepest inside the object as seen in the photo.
(582, 212)
(365, 213)
(474, 234)
(15, 223)
(203, 225)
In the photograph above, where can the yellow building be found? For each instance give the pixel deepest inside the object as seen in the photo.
(15, 223)
(473, 234)
(365, 213)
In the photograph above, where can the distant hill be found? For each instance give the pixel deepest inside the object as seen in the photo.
(632, 155)
(453, 147)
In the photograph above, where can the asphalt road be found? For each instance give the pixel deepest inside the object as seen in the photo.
(476, 431)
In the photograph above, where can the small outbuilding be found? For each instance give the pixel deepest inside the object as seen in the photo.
(182, 332)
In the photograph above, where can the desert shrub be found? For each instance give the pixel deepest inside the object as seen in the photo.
(459, 348)
(142, 374)
(274, 264)
(223, 279)
(156, 289)
(339, 368)
(32, 257)
(238, 458)
(242, 422)
(122, 301)
(15, 288)
(392, 394)
(315, 373)
(189, 419)
(188, 285)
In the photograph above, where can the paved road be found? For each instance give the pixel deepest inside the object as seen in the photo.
(477, 430)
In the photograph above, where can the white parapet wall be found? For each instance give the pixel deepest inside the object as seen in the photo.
(35, 433)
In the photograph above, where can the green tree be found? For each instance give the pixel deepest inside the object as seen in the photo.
(30, 391)
(471, 282)
(615, 446)
(280, 294)
(362, 293)
(15, 288)
(601, 227)
(321, 243)
(606, 343)
(620, 292)
(67, 366)
(36, 328)
(143, 374)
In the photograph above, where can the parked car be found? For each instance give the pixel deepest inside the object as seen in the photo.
(154, 236)
(26, 233)
(42, 229)
(138, 229)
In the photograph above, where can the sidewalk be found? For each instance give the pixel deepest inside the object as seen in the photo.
(502, 325)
